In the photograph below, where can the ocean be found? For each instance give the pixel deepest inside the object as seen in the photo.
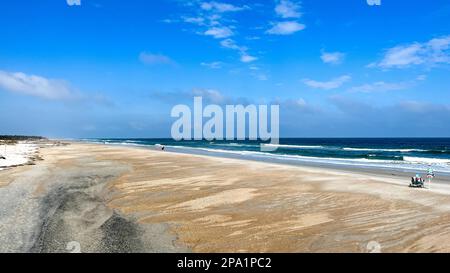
(401, 154)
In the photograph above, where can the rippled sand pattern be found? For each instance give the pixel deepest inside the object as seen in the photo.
(224, 205)
(156, 201)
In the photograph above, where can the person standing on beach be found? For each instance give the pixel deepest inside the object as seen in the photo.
(430, 176)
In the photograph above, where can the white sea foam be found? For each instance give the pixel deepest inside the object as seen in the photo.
(426, 160)
(293, 146)
(409, 163)
(235, 145)
(383, 150)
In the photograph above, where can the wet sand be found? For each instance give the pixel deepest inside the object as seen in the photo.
(122, 199)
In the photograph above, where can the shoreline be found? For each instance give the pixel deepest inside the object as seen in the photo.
(440, 185)
(442, 178)
(399, 160)
(129, 199)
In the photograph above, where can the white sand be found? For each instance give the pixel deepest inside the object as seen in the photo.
(17, 154)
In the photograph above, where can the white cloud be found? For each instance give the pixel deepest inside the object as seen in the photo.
(402, 56)
(261, 77)
(421, 77)
(332, 57)
(211, 18)
(286, 28)
(209, 95)
(155, 59)
(253, 38)
(439, 44)
(194, 20)
(245, 58)
(421, 107)
(213, 65)
(220, 7)
(301, 102)
(328, 85)
(380, 86)
(288, 9)
(439, 49)
(50, 89)
(231, 44)
(35, 86)
(219, 32)
(431, 53)
(374, 2)
(73, 2)
(169, 21)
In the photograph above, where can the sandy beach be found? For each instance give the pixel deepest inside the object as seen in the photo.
(124, 199)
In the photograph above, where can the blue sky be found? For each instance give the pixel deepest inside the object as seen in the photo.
(107, 68)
